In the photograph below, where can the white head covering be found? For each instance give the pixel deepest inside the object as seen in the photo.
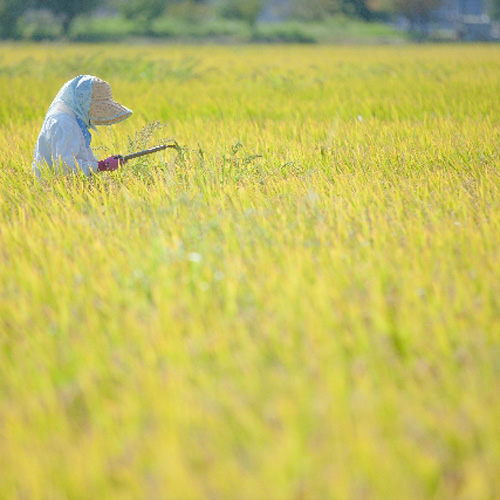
(77, 94)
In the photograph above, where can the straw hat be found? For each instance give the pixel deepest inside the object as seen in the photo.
(103, 109)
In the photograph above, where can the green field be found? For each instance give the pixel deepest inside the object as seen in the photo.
(302, 303)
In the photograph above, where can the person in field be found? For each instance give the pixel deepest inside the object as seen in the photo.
(64, 141)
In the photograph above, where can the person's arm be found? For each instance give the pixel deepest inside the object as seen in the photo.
(107, 165)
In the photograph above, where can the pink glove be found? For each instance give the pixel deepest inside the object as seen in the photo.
(109, 164)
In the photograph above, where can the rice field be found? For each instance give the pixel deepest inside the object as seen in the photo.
(303, 302)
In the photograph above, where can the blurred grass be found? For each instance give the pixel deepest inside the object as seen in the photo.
(303, 304)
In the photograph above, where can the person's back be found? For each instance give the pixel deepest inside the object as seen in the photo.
(61, 144)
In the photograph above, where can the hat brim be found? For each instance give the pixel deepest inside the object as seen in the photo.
(108, 112)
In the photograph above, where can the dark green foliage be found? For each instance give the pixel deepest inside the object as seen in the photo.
(143, 10)
(495, 9)
(358, 8)
(317, 10)
(248, 10)
(10, 11)
(67, 10)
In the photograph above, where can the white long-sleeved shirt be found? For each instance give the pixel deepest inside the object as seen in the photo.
(61, 144)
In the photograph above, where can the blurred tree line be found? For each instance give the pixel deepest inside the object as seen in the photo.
(143, 12)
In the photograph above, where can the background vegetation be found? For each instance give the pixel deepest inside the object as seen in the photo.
(301, 303)
(215, 20)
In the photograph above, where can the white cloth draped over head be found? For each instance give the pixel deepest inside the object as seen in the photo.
(64, 140)
(77, 94)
